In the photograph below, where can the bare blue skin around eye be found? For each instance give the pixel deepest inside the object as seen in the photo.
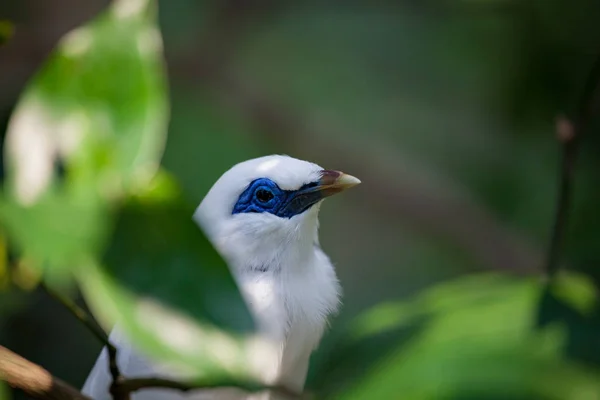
(284, 204)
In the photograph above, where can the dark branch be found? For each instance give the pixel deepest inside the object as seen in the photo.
(569, 134)
(96, 330)
(79, 313)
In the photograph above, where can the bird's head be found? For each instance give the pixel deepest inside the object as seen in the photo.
(263, 207)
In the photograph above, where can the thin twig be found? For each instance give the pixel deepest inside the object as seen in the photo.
(93, 327)
(569, 133)
(79, 313)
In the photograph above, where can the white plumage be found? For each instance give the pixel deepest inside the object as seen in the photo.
(272, 249)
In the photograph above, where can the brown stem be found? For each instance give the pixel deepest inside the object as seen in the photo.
(34, 380)
(569, 133)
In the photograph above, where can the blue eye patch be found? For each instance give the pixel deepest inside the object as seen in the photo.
(263, 195)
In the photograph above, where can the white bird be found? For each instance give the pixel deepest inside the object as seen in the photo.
(262, 217)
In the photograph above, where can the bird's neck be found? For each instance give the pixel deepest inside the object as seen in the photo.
(272, 250)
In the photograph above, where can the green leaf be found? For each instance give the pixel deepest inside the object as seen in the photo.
(88, 130)
(169, 288)
(570, 301)
(98, 106)
(577, 290)
(471, 338)
(58, 232)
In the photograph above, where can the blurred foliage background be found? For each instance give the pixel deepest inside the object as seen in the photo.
(445, 110)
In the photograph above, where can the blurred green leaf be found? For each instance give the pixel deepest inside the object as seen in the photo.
(7, 30)
(59, 231)
(89, 129)
(577, 290)
(474, 338)
(571, 302)
(98, 106)
(170, 289)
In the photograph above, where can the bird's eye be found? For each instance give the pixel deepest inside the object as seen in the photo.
(264, 195)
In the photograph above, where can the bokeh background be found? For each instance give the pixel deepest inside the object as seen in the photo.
(445, 110)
